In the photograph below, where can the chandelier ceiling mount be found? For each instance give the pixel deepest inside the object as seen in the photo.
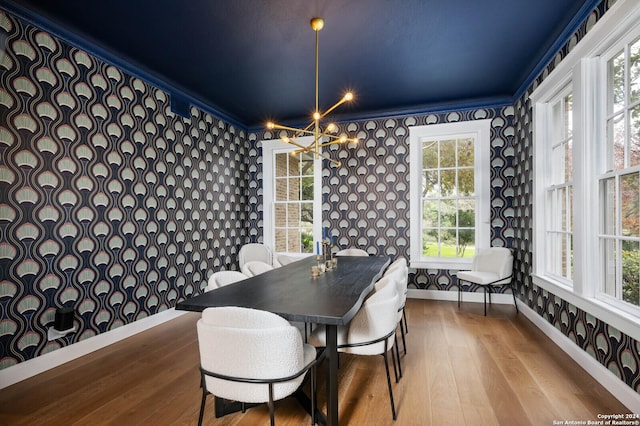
(321, 137)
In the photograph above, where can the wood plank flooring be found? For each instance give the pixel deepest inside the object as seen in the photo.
(461, 369)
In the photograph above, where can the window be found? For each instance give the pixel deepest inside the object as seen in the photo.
(558, 188)
(586, 209)
(449, 193)
(292, 215)
(619, 180)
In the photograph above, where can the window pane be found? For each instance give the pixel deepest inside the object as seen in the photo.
(568, 161)
(293, 214)
(634, 71)
(448, 183)
(306, 240)
(615, 79)
(562, 207)
(430, 214)
(293, 241)
(615, 142)
(306, 214)
(465, 153)
(609, 206)
(634, 136)
(466, 182)
(295, 165)
(448, 153)
(630, 272)
(280, 239)
(307, 188)
(630, 204)
(467, 212)
(609, 267)
(307, 164)
(430, 242)
(430, 184)
(281, 164)
(568, 117)
(430, 155)
(294, 188)
(467, 243)
(281, 189)
(280, 215)
(448, 213)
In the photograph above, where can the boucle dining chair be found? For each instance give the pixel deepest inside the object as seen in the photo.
(492, 267)
(222, 278)
(352, 252)
(254, 251)
(252, 356)
(255, 267)
(372, 329)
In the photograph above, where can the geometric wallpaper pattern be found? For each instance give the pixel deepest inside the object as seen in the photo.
(109, 203)
(114, 205)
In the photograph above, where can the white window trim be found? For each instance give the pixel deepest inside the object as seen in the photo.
(269, 149)
(580, 66)
(481, 129)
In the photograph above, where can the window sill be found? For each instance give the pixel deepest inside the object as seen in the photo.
(622, 321)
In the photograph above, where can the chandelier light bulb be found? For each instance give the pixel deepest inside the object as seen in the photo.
(348, 96)
(271, 125)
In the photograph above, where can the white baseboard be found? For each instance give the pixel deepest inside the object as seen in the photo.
(467, 296)
(32, 367)
(619, 389)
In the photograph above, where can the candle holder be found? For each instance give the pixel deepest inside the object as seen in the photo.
(320, 265)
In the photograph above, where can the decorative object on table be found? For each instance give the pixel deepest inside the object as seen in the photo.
(321, 138)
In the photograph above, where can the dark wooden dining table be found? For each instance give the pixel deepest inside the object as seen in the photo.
(332, 299)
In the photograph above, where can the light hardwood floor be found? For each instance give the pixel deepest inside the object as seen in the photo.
(461, 369)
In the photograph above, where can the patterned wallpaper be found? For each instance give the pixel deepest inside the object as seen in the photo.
(112, 204)
(109, 202)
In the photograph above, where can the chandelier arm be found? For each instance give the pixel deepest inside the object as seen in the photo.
(336, 105)
(292, 142)
(338, 141)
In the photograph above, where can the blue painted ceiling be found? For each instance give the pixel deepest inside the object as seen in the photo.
(253, 60)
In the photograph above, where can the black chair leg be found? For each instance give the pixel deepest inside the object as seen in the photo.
(459, 293)
(204, 400)
(313, 396)
(386, 366)
(404, 315)
(395, 337)
(395, 368)
(271, 409)
(404, 342)
(485, 300)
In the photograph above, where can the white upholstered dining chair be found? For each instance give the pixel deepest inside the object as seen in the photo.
(222, 278)
(252, 356)
(372, 329)
(492, 267)
(254, 251)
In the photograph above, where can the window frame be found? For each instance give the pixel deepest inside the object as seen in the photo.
(583, 69)
(269, 150)
(481, 131)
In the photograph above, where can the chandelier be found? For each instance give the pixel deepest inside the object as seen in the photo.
(321, 137)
